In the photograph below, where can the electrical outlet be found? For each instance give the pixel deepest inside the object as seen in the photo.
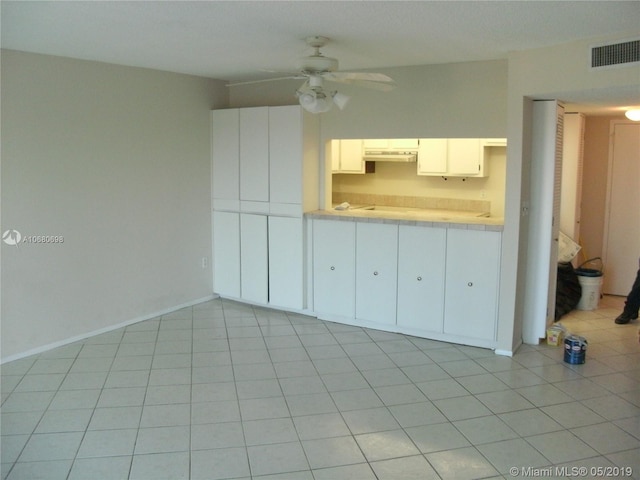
(483, 194)
(205, 262)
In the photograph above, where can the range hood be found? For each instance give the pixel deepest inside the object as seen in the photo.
(390, 156)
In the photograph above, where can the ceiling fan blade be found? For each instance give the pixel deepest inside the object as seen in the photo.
(377, 81)
(275, 79)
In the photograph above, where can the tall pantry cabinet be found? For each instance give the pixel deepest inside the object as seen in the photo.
(265, 175)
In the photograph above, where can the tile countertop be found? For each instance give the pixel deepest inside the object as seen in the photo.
(413, 216)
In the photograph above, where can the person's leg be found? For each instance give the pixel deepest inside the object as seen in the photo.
(632, 304)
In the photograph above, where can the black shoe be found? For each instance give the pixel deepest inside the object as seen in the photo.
(625, 318)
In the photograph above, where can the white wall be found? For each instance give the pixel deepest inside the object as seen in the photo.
(116, 160)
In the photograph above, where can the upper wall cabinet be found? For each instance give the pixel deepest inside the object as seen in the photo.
(346, 156)
(265, 160)
(455, 157)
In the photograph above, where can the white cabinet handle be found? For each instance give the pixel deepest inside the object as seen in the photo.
(419, 279)
(333, 268)
(470, 284)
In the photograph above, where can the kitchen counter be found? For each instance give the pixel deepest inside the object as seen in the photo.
(413, 216)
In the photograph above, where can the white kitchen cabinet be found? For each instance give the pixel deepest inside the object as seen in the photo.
(432, 156)
(226, 254)
(456, 157)
(254, 154)
(464, 156)
(421, 275)
(346, 156)
(334, 274)
(254, 268)
(286, 262)
(225, 152)
(471, 285)
(294, 147)
(376, 272)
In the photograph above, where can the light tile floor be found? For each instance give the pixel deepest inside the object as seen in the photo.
(223, 390)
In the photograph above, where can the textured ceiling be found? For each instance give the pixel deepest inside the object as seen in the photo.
(243, 40)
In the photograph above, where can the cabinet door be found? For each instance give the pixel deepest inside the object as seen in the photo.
(334, 244)
(376, 143)
(286, 262)
(226, 254)
(376, 272)
(225, 153)
(254, 268)
(471, 288)
(421, 274)
(432, 156)
(351, 156)
(254, 154)
(285, 154)
(464, 155)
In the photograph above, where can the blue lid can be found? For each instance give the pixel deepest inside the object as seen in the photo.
(575, 349)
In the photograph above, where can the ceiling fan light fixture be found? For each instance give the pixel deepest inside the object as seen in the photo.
(633, 115)
(340, 99)
(314, 100)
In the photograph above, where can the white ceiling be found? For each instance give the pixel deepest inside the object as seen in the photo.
(240, 40)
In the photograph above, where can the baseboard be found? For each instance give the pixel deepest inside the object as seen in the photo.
(67, 341)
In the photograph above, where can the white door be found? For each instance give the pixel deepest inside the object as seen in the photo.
(471, 286)
(421, 274)
(334, 271)
(286, 263)
(432, 156)
(226, 254)
(622, 232)
(351, 156)
(285, 154)
(464, 156)
(376, 272)
(544, 214)
(254, 154)
(254, 268)
(225, 153)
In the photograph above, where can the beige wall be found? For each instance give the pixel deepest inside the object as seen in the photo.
(116, 160)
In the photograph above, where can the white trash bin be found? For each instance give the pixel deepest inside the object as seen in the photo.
(591, 282)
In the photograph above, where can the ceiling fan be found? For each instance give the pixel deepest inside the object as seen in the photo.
(316, 69)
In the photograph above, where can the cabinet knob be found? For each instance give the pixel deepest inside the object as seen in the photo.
(419, 279)
(375, 273)
(333, 268)
(470, 284)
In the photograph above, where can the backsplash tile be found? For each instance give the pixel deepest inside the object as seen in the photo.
(412, 201)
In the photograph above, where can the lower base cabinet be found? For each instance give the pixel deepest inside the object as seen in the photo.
(286, 262)
(421, 274)
(433, 282)
(376, 272)
(254, 257)
(226, 254)
(471, 288)
(334, 269)
(259, 259)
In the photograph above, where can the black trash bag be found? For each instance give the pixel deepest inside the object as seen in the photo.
(568, 289)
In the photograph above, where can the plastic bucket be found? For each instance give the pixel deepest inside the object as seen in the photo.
(575, 349)
(591, 283)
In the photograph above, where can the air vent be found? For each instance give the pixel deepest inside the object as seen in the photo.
(615, 54)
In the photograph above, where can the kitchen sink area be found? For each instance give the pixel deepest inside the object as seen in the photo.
(405, 209)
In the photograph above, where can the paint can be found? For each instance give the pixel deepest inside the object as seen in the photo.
(575, 349)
